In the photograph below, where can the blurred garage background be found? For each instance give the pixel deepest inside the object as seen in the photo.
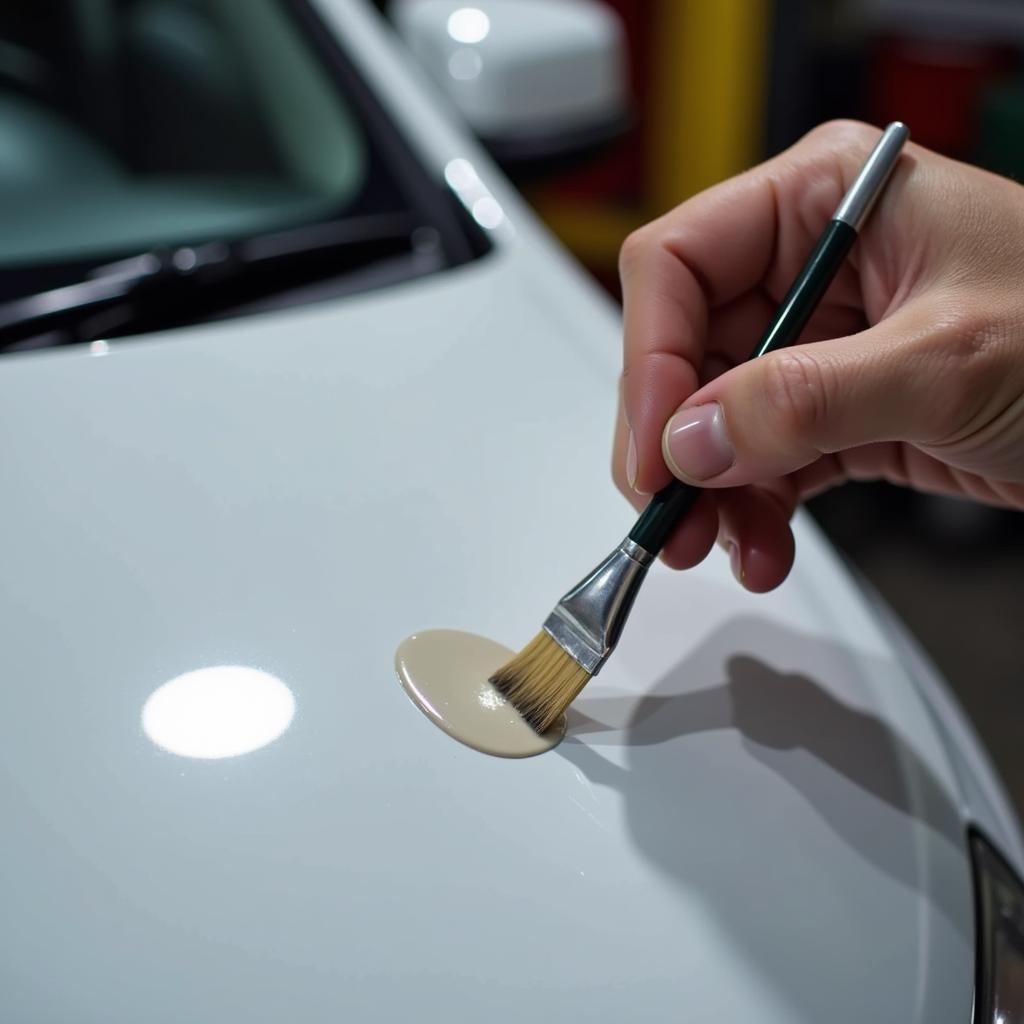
(718, 85)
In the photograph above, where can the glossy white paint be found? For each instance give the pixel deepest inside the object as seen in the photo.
(758, 813)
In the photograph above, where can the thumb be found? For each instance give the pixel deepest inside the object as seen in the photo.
(776, 414)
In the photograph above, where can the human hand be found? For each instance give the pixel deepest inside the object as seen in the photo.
(911, 369)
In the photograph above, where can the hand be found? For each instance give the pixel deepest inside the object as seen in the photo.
(911, 370)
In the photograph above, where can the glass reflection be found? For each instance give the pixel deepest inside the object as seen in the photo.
(461, 175)
(487, 212)
(463, 179)
(465, 64)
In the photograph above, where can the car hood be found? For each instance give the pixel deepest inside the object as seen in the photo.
(754, 814)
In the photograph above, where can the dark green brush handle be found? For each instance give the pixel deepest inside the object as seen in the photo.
(667, 508)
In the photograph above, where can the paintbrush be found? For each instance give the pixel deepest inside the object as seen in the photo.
(545, 677)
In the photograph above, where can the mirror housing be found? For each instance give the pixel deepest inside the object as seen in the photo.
(541, 82)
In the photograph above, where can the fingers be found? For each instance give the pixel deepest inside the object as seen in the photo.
(620, 445)
(695, 537)
(747, 233)
(665, 310)
(780, 413)
(751, 523)
(754, 531)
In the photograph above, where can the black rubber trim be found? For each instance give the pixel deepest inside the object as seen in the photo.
(986, 858)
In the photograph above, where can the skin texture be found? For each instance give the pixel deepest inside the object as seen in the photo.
(911, 370)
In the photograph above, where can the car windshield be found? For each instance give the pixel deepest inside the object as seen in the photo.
(141, 139)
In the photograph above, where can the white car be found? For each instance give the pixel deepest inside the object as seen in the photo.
(335, 385)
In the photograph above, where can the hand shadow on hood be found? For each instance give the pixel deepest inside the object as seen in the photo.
(701, 809)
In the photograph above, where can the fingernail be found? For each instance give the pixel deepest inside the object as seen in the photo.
(631, 461)
(696, 444)
(735, 561)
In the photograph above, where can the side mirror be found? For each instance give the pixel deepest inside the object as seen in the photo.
(541, 82)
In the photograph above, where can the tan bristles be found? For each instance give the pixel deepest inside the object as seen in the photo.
(541, 681)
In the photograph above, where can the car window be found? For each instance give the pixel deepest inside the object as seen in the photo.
(130, 129)
(148, 122)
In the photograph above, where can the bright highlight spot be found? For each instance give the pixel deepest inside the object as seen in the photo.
(185, 259)
(462, 178)
(468, 25)
(99, 347)
(221, 711)
(460, 174)
(489, 698)
(487, 212)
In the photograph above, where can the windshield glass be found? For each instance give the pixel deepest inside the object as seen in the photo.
(131, 126)
(148, 122)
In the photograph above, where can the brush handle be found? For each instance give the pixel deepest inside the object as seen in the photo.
(667, 508)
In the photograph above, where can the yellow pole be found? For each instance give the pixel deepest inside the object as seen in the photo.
(708, 89)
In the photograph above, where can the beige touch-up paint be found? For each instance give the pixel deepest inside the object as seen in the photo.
(446, 673)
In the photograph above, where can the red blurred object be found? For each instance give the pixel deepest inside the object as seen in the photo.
(934, 86)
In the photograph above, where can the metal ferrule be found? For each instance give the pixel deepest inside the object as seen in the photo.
(587, 622)
(867, 187)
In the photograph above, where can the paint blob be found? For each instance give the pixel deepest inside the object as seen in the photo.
(446, 673)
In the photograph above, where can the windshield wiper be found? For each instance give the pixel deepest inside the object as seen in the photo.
(171, 286)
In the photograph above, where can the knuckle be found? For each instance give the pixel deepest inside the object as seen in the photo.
(797, 393)
(842, 134)
(635, 249)
(963, 355)
(966, 339)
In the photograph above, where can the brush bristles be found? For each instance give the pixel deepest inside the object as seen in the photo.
(541, 681)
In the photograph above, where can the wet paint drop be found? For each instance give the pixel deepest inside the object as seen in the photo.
(446, 673)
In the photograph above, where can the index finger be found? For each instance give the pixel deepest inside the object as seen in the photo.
(748, 232)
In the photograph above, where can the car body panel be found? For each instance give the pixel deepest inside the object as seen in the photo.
(756, 814)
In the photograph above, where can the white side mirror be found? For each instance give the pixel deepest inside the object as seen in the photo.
(535, 79)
